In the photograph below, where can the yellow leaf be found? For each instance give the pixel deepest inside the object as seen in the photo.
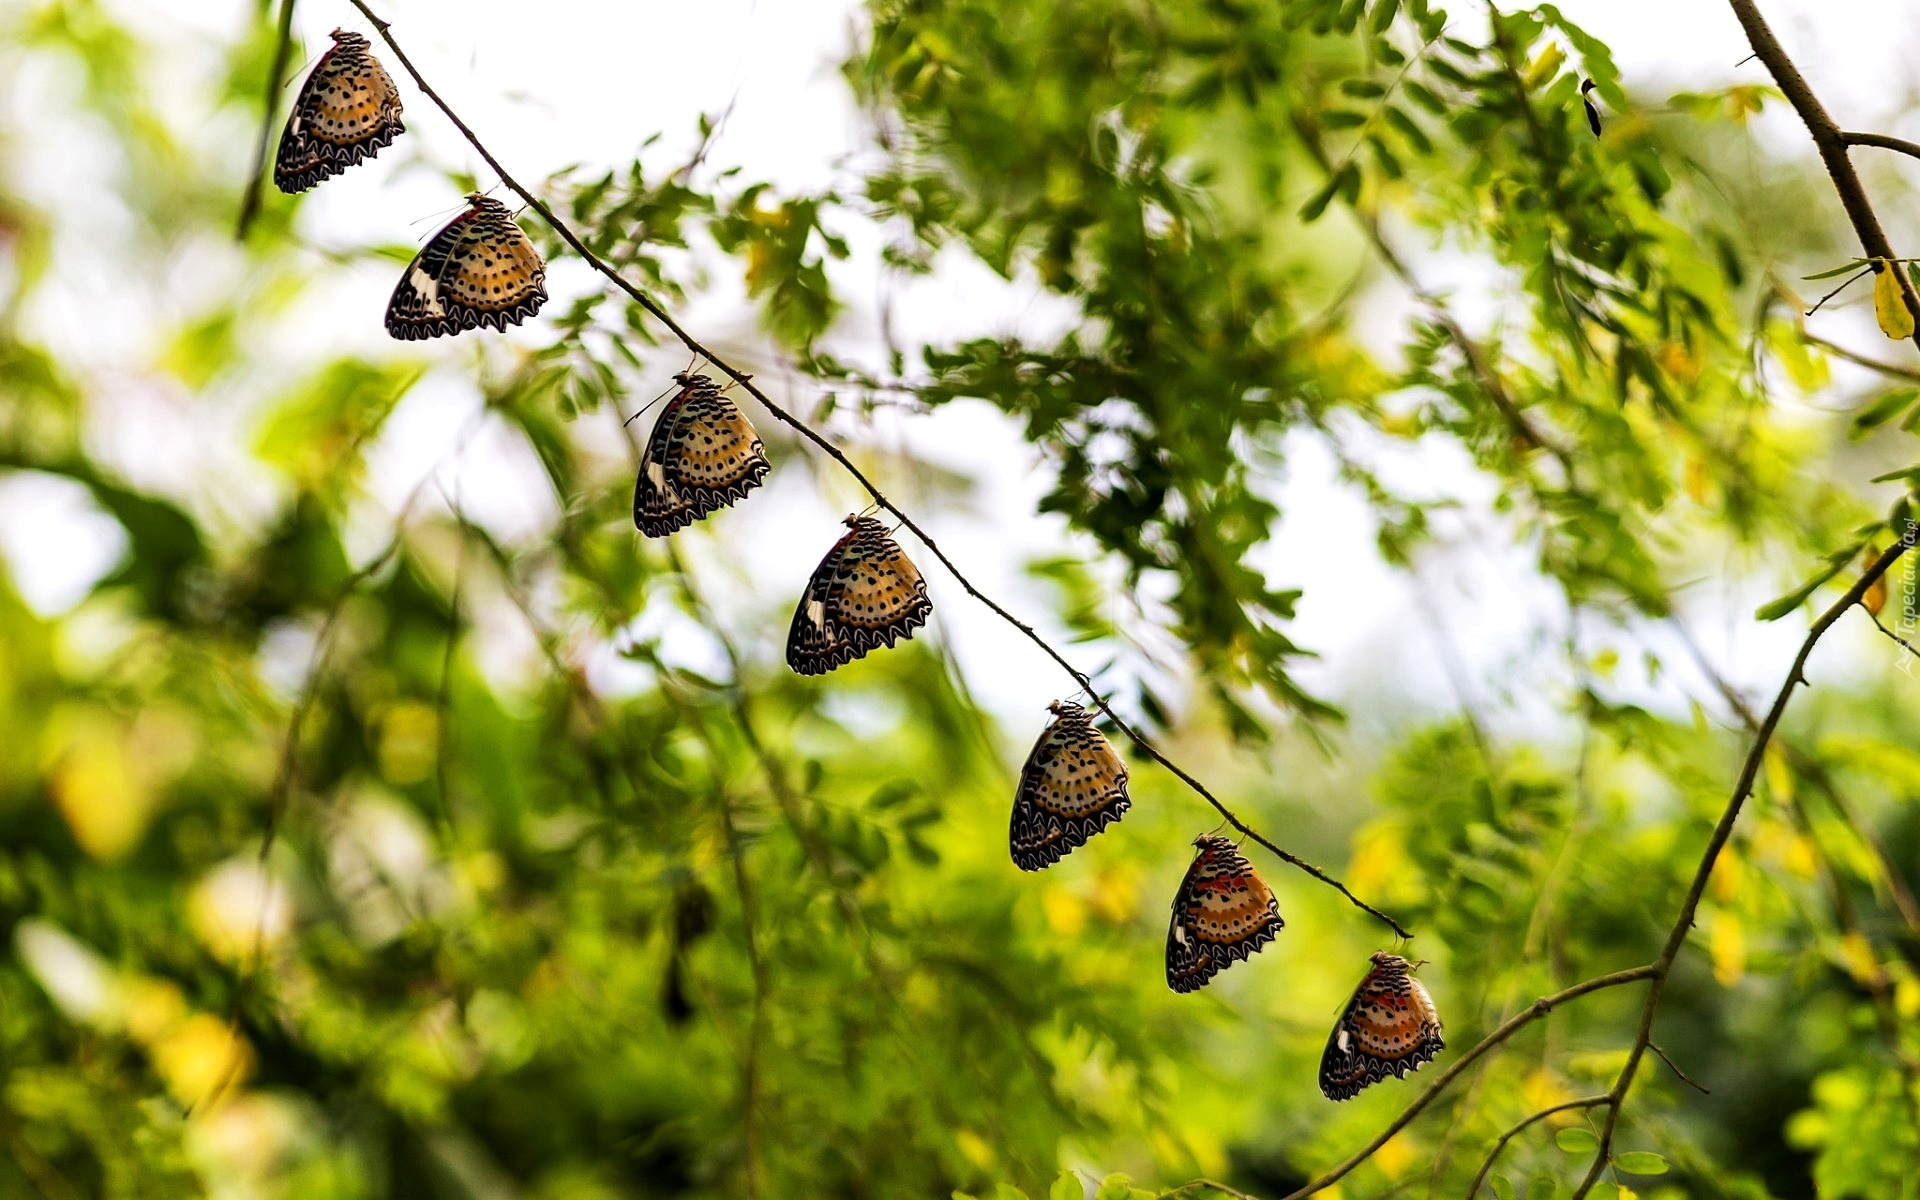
(1857, 953)
(102, 791)
(1728, 875)
(1680, 362)
(1066, 912)
(1875, 597)
(1543, 1089)
(200, 1056)
(1799, 857)
(1727, 946)
(1779, 774)
(1379, 858)
(975, 1147)
(1697, 479)
(1627, 1193)
(1889, 304)
(1394, 1157)
(1545, 65)
(1906, 999)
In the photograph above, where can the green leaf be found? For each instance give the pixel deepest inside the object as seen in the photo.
(1066, 1186)
(1852, 265)
(1115, 1187)
(1576, 1140)
(1543, 1187)
(1340, 118)
(1502, 1186)
(1641, 1162)
(1885, 409)
(1383, 14)
(1317, 203)
(1776, 609)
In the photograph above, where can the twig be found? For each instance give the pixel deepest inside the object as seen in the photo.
(1875, 618)
(1512, 1025)
(1494, 1154)
(1896, 370)
(1222, 1188)
(1842, 286)
(832, 451)
(1675, 1068)
(1743, 787)
(1883, 141)
(282, 49)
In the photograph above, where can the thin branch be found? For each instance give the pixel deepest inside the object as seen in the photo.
(282, 50)
(1875, 618)
(1685, 1078)
(1895, 370)
(654, 309)
(1743, 787)
(1830, 140)
(1494, 1154)
(1883, 141)
(1812, 769)
(1842, 286)
(1512, 1025)
(1210, 1184)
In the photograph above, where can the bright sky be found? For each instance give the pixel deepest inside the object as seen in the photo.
(587, 81)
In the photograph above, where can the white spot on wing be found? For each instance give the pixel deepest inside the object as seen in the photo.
(429, 290)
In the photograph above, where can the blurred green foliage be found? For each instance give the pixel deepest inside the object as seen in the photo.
(709, 930)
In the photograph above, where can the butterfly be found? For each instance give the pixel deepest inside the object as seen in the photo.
(703, 455)
(863, 594)
(1593, 111)
(479, 270)
(1072, 786)
(1222, 913)
(1390, 1027)
(347, 110)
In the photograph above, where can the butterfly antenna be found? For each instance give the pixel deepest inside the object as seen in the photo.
(649, 404)
(436, 216)
(301, 70)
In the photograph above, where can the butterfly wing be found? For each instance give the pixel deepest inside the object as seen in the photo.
(864, 594)
(1223, 913)
(704, 454)
(346, 112)
(1072, 786)
(481, 270)
(1390, 1027)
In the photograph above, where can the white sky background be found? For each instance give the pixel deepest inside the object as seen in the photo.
(542, 92)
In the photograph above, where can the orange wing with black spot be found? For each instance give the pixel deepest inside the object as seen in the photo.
(346, 112)
(480, 270)
(1072, 786)
(865, 593)
(1390, 1027)
(1222, 913)
(703, 455)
